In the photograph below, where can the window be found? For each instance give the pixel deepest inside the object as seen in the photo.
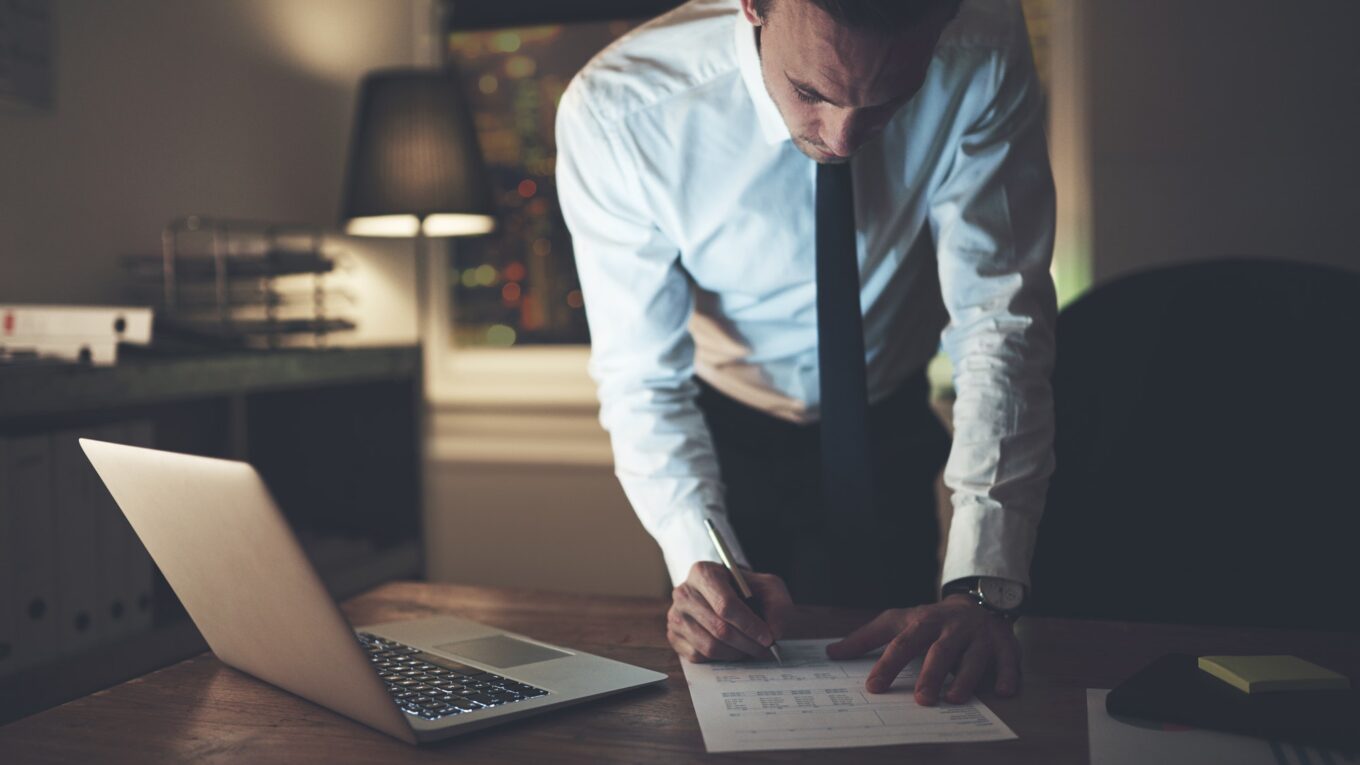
(518, 286)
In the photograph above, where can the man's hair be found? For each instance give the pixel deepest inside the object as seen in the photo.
(886, 15)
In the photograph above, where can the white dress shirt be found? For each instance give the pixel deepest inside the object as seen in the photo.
(691, 213)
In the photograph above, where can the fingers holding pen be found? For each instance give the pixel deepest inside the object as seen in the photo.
(709, 620)
(713, 587)
(776, 604)
(697, 644)
(708, 632)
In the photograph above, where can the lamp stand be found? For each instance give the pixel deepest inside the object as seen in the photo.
(423, 334)
(423, 409)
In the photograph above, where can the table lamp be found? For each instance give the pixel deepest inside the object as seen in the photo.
(415, 169)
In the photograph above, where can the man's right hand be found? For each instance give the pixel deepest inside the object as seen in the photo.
(708, 620)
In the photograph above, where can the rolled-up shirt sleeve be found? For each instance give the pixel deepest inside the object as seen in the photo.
(638, 302)
(993, 217)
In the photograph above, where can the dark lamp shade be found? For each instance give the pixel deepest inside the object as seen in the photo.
(414, 162)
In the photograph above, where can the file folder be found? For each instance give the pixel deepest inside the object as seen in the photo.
(140, 572)
(125, 324)
(8, 550)
(26, 485)
(113, 535)
(77, 550)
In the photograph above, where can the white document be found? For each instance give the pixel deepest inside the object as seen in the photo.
(812, 702)
(1120, 741)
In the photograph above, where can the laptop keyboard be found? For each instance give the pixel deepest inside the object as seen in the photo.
(432, 687)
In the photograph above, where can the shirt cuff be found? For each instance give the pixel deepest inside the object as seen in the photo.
(988, 541)
(686, 542)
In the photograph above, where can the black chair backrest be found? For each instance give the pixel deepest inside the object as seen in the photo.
(1208, 449)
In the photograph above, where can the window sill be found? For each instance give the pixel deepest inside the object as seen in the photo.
(553, 378)
(524, 406)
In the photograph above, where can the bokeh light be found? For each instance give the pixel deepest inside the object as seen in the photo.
(486, 275)
(501, 335)
(519, 67)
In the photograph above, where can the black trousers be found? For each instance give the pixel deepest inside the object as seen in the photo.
(772, 471)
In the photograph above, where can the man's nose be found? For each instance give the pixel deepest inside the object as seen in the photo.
(843, 132)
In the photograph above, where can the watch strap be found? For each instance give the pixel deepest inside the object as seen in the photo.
(971, 586)
(968, 585)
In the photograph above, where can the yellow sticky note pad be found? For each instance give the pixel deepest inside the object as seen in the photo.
(1264, 674)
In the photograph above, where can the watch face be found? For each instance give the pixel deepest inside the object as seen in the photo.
(1001, 593)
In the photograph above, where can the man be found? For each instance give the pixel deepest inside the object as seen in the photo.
(777, 207)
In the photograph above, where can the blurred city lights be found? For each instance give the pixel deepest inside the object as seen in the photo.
(519, 67)
(500, 334)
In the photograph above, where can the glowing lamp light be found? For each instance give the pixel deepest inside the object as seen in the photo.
(415, 168)
(383, 225)
(445, 224)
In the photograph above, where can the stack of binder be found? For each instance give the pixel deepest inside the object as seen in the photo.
(88, 334)
(75, 573)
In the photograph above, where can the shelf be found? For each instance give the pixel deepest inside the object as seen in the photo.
(198, 269)
(46, 390)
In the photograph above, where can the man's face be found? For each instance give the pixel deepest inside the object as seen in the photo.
(837, 87)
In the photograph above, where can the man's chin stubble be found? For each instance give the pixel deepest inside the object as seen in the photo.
(817, 154)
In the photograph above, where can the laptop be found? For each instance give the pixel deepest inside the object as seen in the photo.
(225, 548)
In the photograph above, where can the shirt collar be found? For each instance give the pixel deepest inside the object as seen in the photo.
(748, 59)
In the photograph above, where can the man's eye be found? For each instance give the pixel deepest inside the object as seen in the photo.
(806, 97)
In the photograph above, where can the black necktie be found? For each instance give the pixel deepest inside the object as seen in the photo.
(847, 484)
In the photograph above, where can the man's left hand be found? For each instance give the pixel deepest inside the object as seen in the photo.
(955, 635)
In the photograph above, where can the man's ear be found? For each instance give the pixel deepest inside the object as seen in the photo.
(748, 9)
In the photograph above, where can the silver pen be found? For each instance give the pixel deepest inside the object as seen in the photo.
(745, 589)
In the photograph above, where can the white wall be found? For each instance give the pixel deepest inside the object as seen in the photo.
(1223, 127)
(166, 107)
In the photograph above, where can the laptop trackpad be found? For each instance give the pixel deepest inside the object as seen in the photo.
(501, 651)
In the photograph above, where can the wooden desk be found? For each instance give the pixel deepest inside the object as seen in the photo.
(201, 711)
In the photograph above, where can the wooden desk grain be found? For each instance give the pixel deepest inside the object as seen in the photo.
(204, 712)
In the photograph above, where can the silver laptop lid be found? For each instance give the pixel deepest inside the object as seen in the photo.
(226, 550)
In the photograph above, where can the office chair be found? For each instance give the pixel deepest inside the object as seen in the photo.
(1208, 449)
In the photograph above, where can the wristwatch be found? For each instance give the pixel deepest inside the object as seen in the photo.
(1000, 596)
